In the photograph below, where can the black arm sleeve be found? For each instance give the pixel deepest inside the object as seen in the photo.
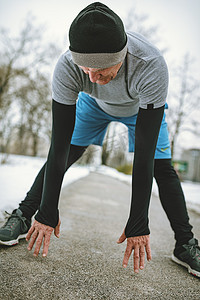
(62, 129)
(146, 135)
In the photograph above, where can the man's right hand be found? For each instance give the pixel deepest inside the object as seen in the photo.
(39, 233)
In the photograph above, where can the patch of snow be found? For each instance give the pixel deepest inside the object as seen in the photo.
(191, 189)
(17, 176)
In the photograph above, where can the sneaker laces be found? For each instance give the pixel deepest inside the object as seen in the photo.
(12, 221)
(194, 251)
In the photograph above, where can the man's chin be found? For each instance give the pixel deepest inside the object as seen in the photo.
(103, 82)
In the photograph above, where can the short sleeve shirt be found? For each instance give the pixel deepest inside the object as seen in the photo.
(142, 81)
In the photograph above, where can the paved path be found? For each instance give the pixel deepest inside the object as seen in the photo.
(85, 263)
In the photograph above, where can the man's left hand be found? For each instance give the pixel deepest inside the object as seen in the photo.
(138, 244)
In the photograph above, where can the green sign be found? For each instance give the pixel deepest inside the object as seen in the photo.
(180, 166)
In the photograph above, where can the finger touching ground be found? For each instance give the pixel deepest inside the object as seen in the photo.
(142, 257)
(31, 230)
(38, 243)
(46, 244)
(33, 238)
(127, 254)
(136, 258)
(148, 251)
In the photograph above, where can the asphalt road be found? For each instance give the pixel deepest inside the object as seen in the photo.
(85, 263)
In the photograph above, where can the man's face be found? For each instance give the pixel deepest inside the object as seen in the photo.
(102, 76)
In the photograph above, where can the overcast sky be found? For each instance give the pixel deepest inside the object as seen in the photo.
(178, 21)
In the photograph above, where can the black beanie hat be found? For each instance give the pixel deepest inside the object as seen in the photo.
(97, 37)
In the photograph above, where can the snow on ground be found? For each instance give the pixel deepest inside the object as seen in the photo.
(17, 176)
(192, 194)
(191, 189)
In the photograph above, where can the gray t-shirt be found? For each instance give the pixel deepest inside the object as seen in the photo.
(141, 80)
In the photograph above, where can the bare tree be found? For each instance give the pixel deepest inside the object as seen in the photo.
(23, 60)
(34, 103)
(136, 22)
(89, 156)
(115, 145)
(184, 103)
(108, 143)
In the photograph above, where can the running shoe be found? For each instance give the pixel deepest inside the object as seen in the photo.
(15, 228)
(188, 255)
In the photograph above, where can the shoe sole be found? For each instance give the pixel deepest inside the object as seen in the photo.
(190, 270)
(13, 242)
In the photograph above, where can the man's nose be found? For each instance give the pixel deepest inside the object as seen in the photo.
(93, 76)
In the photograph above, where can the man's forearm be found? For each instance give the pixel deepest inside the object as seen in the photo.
(62, 129)
(147, 130)
(137, 224)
